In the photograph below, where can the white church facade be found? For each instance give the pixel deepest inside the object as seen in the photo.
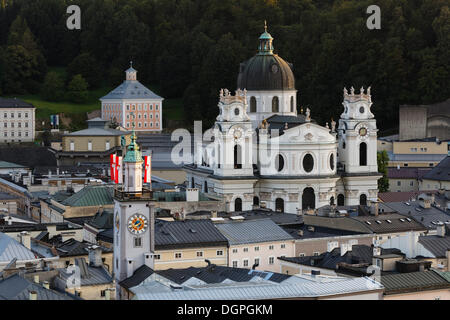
(263, 153)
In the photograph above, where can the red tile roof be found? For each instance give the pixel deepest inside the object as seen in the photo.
(401, 196)
(407, 173)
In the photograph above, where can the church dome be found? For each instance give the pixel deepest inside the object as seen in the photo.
(266, 70)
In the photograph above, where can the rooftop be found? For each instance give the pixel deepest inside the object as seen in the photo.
(11, 248)
(253, 231)
(414, 281)
(441, 172)
(14, 103)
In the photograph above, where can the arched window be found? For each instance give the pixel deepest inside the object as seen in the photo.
(237, 157)
(292, 103)
(363, 200)
(340, 200)
(218, 156)
(275, 104)
(255, 201)
(332, 161)
(238, 204)
(363, 154)
(279, 205)
(331, 201)
(308, 162)
(192, 183)
(252, 104)
(206, 187)
(279, 163)
(308, 199)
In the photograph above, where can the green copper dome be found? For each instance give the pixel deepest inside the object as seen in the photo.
(133, 153)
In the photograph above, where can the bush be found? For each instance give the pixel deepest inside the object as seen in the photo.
(77, 89)
(53, 87)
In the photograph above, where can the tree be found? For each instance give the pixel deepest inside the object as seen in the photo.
(77, 89)
(53, 87)
(88, 67)
(382, 160)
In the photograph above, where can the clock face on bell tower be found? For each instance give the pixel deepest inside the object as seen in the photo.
(137, 224)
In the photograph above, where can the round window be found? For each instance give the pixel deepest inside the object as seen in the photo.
(308, 163)
(236, 111)
(361, 109)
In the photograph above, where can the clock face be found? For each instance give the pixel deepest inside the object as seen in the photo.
(362, 131)
(137, 224)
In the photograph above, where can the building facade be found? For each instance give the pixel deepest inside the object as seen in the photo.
(132, 105)
(18, 121)
(265, 153)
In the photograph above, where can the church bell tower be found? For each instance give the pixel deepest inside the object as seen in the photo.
(134, 219)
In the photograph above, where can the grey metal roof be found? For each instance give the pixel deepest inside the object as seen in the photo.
(416, 157)
(16, 187)
(441, 172)
(94, 276)
(141, 273)
(256, 291)
(253, 231)
(131, 89)
(413, 281)
(97, 132)
(16, 287)
(6, 164)
(14, 103)
(436, 245)
(188, 233)
(11, 248)
(426, 217)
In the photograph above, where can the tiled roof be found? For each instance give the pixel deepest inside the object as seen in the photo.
(401, 196)
(91, 196)
(253, 231)
(436, 245)
(429, 217)
(11, 248)
(407, 173)
(188, 233)
(16, 287)
(413, 281)
(441, 172)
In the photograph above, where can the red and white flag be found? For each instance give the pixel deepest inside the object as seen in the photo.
(112, 166)
(119, 174)
(148, 169)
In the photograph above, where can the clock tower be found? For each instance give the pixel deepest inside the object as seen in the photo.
(133, 219)
(357, 149)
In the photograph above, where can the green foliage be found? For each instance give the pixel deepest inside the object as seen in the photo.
(382, 160)
(77, 89)
(53, 87)
(180, 46)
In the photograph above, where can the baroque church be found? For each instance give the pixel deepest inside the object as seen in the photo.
(262, 153)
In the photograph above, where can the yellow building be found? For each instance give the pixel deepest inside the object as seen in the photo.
(93, 144)
(417, 153)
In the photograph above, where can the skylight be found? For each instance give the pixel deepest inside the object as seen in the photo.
(378, 221)
(389, 221)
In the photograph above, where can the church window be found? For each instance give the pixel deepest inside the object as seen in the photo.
(192, 183)
(292, 103)
(238, 204)
(332, 161)
(340, 200)
(252, 104)
(255, 201)
(343, 144)
(206, 186)
(137, 242)
(308, 163)
(363, 154)
(275, 104)
(236, 111)
(363, 200)
(279, 205)
(361, 109)
(279, 163)
(308, 199)
(237, 157)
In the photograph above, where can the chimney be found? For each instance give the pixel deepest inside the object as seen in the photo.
(299, 212)
(57, 171)
(10, 220)
(213, 214)
(36, 278)
(374, 208)
(300, 233)
(130, 269)
(192, 194)
(46, 285)
(33, 295)
(25, 239)
(376, 251)
(95, 256)
(441, 230)
(432, 199)
(315, 273)
(51, 229)
(344, 248)
(426, 203)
